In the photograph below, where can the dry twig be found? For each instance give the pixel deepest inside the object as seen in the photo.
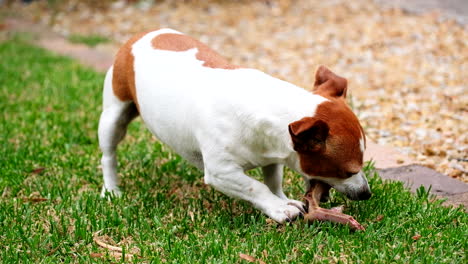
(114, 251)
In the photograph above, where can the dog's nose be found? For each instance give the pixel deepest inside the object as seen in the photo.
(364, 195)
(357, 196)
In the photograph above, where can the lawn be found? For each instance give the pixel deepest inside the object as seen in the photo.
(50, 182)
(91, 40)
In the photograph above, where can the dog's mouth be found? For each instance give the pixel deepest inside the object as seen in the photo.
(326, 192)
(318, 191)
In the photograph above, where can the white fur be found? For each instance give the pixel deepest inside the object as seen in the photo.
(362, 144)
(223, 121)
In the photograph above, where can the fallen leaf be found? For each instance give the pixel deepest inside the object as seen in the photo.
(96, 255)
(36, 199)
(250, 258)
(52, 251)
(114, 251)
(379, 218)
(192, 217)
(38, 170)
(247, 257)
(416, 237)
(103, 244)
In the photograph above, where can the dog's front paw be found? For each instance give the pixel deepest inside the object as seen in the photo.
(110, 192)
(286, 212)
(300, 205)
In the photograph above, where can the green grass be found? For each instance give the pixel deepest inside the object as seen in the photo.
(89, 40)
(49, 109)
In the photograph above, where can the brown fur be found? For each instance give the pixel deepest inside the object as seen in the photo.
(333, 149)
(342, 153)
(178, 42)
(123, 78)
(330, 85)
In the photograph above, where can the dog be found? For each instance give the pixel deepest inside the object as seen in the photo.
(226, 119)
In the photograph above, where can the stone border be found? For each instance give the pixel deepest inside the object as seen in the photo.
(390, 163)
(414, 176)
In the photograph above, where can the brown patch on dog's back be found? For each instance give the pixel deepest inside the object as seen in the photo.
(179, 42)
(123, 77)
(342, 154)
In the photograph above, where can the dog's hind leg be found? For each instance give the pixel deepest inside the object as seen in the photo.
(115, 117)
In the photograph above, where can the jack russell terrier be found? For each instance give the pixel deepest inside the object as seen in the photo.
(225, 120)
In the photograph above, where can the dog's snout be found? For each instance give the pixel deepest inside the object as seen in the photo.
(364, 195)
(358, 196)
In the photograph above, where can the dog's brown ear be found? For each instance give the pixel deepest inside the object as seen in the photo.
(329, 84)
(309, 135)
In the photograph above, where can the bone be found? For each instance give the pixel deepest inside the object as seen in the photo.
(313, 196)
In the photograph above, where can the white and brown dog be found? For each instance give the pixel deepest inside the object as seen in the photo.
(226, 120)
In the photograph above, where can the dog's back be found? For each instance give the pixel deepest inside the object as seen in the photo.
(170, 76)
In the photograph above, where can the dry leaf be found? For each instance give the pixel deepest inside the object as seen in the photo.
(114, 251)
(247, 257)
(96, 255)
(379, 218)
(36, 199)
(103, 244)
(250, 258)
(38, 170)
(52, 251)
(192, 217)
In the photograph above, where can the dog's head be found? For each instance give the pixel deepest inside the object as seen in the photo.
(331, 144)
